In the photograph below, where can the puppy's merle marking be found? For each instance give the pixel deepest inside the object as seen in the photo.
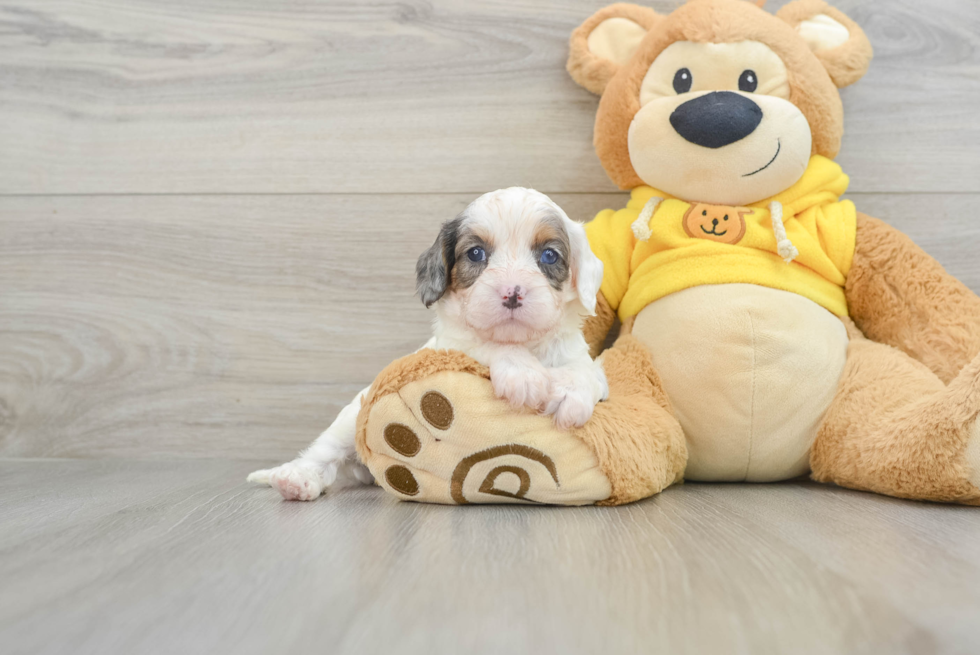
(432, 271)
(553, 236)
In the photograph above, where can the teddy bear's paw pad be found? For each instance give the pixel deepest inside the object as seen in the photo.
(436, 410)
(449, 439)
(400, 479)
(402, 440)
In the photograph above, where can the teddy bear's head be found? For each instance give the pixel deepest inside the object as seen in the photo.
(719, 101)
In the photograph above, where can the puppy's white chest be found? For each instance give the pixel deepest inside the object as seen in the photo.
(750, 372)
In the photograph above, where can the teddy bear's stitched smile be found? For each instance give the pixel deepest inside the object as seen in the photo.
(779, 146)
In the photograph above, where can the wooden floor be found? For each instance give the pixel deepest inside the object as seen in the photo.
(209, 217)
(181, 557)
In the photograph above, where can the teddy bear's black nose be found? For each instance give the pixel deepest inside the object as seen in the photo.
(716, 119)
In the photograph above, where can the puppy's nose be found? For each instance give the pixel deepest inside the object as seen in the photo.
(714, 221)
(513, 297)
(716, 119)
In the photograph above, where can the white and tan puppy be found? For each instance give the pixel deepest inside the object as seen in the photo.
(511, 280)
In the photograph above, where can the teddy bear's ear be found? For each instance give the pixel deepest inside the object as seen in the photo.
(606, 41)
(836, 40)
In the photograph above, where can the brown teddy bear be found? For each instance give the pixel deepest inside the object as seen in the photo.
(769, 330)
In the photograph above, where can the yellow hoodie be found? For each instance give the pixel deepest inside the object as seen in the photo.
(678, 250)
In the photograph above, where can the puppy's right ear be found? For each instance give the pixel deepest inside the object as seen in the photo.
(606, 41)
(435, 265)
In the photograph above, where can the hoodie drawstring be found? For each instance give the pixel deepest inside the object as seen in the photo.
(784, 246)
(641, 226)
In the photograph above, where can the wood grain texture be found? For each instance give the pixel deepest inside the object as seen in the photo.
(203, 326)
(214, 96)
(325, 141)
(230, 326)
(155, 557)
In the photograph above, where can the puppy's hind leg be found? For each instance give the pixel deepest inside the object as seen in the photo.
(331, 460)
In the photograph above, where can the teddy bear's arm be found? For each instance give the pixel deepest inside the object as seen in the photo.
(612, 240)
(900, 296)
(597, 327)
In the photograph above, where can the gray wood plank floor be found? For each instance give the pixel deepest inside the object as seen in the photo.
(209, 215)
(160, 557)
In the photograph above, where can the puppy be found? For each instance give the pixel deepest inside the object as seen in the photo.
(511, 280)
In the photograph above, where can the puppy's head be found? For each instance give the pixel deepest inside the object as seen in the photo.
(510, 267)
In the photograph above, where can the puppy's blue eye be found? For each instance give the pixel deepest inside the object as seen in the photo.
(477, 254)
(549, 256)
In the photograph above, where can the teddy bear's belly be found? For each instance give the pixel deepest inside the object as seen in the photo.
(750, 372)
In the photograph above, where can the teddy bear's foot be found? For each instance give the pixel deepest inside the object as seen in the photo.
(433, 430)
(895, 428)
(448, 439)
(965, 391)
(972, 454)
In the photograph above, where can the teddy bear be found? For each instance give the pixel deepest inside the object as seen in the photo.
(769, 330)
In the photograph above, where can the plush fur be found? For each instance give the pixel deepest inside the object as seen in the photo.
(591, 72)
(893, 427)
(900, 296)
(597, 327)
(896, 429)
(639, 444)
(846, 63)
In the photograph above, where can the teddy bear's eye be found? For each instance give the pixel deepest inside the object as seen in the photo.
(682, 81)
(748, 81)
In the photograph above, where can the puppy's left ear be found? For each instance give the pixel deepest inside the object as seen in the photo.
(434, 269)
(586, 267)
(837, 41)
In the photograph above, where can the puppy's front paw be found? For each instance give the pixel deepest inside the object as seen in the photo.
(298, 480)
(521, 385)
(573, 395)
(572, 407)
